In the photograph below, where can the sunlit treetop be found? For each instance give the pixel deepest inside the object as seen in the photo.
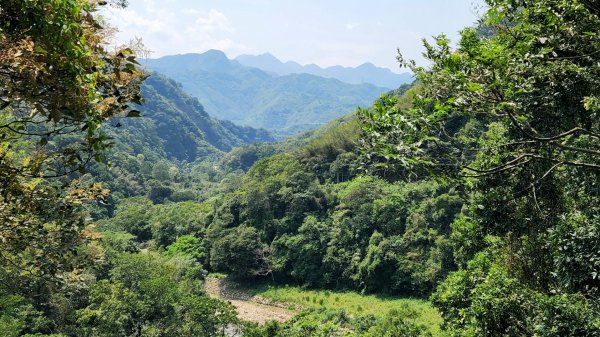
(521, 89)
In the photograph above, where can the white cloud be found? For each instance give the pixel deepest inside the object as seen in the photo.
(351, 26)
(214, 21)
(190, 11)
(129, 19)
(167, 31)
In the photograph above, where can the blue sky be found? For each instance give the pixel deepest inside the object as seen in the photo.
(324, 32)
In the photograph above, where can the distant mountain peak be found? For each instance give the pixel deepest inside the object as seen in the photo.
(365, 73)
(268, 55)
(211, 60)
(215, 52)
(211, 53)
(369, 65)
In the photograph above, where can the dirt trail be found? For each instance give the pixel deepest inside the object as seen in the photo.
(249, 308)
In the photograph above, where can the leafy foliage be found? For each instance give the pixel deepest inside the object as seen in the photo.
(338, 323)
(509, 116)
(238, 252)
(149, 295)
(536, 75)
(315, 229)
(58, 84)
(58, 276)
(478, 185)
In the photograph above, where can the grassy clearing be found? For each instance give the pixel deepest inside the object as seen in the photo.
(353, 303)
(217, 275)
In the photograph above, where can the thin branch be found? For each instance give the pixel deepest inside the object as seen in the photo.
(577, 149)
(513, 163)
(573, 57)
(537, 136)
(499, 146)
(533, 184)
(66, 173)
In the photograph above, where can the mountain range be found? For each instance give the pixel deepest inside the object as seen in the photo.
(365, 73)
(282, 104)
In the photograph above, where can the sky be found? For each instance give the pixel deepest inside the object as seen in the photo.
(323, 32)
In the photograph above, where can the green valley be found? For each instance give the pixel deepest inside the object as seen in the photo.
(132, 204)
(285, 105)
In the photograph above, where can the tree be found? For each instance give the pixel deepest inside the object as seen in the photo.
(189, 246)
(149, 295)
(512, 116)
(239, 252)
(535, 77)
(58, 85)
(58, 79)
(301, 255)
(133, 215)
(512, 113)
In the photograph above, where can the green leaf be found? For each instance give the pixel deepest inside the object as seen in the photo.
(473, 87)
(39, 50)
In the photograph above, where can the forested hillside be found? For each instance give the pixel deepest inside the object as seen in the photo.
(285, 105)
(511, 117)
(152, 154)
(187, 131)
(471, 196)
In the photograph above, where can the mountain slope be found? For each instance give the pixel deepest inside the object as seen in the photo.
(365, 73)
(176, 125)
(285, 104)
(152, 155)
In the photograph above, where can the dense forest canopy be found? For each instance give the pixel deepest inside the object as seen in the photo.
(476, 188)
(59, 84)
(511, 114)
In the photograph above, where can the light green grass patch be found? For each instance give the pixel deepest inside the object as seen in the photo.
(216, 275)
(353, 303)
